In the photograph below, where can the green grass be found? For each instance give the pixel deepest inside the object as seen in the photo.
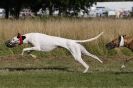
(54, 70)
(58, 69)
(59, 79)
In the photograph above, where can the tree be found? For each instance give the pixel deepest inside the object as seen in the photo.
(6, 5)
(15, 6)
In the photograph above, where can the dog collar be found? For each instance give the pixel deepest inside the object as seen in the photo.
(20, 40)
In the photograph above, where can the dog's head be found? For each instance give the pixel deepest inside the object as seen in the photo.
(117, 42)
(17, 40)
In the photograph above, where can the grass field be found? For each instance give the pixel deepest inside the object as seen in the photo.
(62, 72)
(57, 69)
(56, 79)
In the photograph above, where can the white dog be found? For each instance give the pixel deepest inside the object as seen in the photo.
(43, 42)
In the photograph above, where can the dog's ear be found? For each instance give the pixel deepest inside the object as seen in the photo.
(124, 35)
(18, 36)
(119, 38)
(119, 35)
(23, 37)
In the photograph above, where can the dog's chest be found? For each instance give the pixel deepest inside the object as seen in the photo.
(47, 48)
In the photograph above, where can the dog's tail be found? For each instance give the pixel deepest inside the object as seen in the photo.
(91, 39)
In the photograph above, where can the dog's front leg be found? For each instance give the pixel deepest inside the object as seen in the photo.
(30, 49)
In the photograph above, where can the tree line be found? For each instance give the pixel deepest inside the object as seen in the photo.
(15, 6)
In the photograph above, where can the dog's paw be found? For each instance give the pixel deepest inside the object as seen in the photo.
(101, 62)
(32, 55)
(123, 66)
(21, 54)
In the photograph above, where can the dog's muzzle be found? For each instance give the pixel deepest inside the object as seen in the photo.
(9, 44)
(110, 46)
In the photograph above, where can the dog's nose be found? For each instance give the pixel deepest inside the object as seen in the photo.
(9, 44)
(108, 45)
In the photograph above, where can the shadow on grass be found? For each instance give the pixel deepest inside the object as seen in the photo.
(117, 72)
(64, 69)
(30, 69)
(122, 73)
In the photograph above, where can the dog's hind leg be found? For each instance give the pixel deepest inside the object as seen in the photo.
(84, 64)
(77, 56)
(84, 51)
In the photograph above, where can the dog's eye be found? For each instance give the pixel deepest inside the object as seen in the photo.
(12, 39)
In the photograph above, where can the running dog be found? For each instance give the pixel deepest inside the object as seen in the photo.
(121, 41)
(43, 42)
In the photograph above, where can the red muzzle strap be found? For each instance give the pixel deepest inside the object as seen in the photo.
(20, 40)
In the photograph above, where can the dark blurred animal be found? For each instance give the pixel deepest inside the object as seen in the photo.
(121, 41)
